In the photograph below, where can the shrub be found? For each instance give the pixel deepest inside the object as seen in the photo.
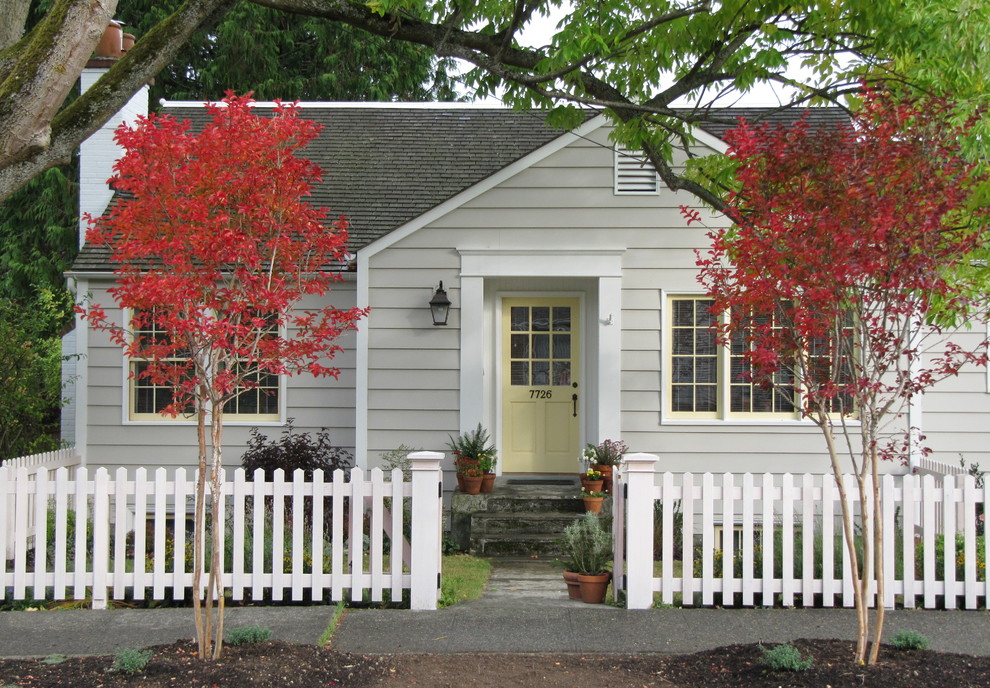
(784, 658)
(960, 555)
(294, 450)
(588, 546)
(248, 634)
(906, 641)
(398, 458)
(130, 661)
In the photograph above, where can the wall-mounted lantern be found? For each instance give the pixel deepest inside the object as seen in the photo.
(440, 306)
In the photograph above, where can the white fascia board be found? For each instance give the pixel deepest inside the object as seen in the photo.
(481, 187)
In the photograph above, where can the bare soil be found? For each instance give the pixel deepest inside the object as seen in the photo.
(281, 665)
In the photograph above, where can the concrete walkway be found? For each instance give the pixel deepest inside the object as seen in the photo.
(524, 610)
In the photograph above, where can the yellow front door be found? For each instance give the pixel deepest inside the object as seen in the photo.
(541, 398)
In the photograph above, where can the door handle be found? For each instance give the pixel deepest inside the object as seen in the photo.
(574, 400)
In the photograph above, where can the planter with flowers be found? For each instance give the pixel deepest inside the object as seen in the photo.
(604, 457)
(473, 453)
(592, 500)
(470, 478)
(591, 481)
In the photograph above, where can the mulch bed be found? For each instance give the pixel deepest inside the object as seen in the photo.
(276, 664)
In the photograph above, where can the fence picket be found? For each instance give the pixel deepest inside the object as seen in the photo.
(161, 516)
(40, 534)
(808, 540)
(828, 541)
(377, 504)
(949, 542)
(748, 535)
(909, 516)
(687, 539)
(667, 537)
(337, 539)
(298, 533)
(355, 545)
(61, 528)
(969, 540)
(397, 541)
(707, 538)
(787, 544)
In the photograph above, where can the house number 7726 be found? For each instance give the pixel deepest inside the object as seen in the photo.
(540, 393)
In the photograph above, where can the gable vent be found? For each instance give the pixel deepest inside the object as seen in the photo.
(634, 174)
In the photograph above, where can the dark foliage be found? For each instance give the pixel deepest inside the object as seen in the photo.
(294, 450)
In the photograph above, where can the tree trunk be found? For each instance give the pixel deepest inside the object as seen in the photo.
(202, 634)
(217, 527)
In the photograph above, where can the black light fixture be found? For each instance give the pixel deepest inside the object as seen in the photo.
(440, 306)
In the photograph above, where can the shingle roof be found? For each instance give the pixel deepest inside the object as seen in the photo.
(384, 166)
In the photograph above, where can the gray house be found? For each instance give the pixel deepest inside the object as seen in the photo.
(572, 281)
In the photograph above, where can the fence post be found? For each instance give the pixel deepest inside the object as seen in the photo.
(427, 513)
(638, 472)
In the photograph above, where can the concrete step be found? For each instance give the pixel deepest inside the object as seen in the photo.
(550, 523)
(516, 544)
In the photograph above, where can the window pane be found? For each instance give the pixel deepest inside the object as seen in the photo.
(520, 346)
(541, 346)
(520, 318)
(541, 373)
(683, 342)
(520, 372)
(706, 369)
(541, 319)
(762, 400)
(704, 342)
(562, 319)
(702, 313)
(562, 346)
(683, 315)
(561, 373)
(739, 399)
(682, 398)
(682, 369)
(706, 398)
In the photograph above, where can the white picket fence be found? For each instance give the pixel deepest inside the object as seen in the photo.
(730, 551)
(125, 537)
(48, 461)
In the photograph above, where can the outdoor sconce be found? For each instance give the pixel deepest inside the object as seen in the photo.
(440, 306)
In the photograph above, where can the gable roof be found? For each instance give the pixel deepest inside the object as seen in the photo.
(385, 164)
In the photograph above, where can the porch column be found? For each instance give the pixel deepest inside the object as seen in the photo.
(473, 334)
(609, 358)
(638, 471)
(427, 521)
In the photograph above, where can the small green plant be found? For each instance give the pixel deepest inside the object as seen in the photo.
(247, 635)
(332, 626)
(398, 458)
(908, 641)
(54, 659)
(785, 657)
(588, 546)
(131, 661)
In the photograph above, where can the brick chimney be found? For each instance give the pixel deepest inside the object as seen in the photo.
(98, 153)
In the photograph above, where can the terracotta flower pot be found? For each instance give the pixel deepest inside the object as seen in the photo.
(487, 483)
(606, 471)
(573, 586)
(472, 484)
(593, 504)
(592, 485)
(593, 587)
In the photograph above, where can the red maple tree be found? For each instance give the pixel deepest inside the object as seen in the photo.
(216, 247)
(848, 259)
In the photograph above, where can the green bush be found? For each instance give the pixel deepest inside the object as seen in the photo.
(906, 641)
(981, 570)
(784, 658)
(248, 635)
(130, 661)
(588, 546)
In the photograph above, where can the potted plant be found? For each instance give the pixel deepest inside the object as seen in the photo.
(486, 462)
(588, 546)
(591, 481)
(471, 477)
(604, 457)
(592, 500)
(468, 449)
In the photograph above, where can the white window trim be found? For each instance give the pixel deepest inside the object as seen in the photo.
(667, 417)
(230, 420)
